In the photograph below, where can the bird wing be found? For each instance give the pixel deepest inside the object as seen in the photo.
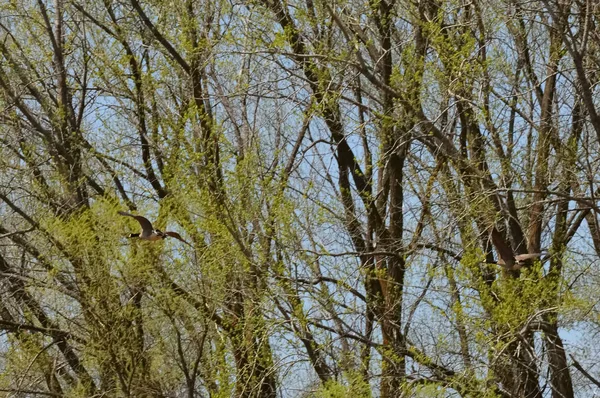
(176, 236)
(146, 225)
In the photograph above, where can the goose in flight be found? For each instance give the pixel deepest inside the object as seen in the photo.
(148, 232)
(520, 260)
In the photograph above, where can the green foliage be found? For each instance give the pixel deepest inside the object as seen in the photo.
(354, 386)
(339, 171)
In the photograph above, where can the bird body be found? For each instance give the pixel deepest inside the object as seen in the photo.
(148, 232)
(153, 236)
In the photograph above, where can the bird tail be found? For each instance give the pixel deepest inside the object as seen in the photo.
(133, 235)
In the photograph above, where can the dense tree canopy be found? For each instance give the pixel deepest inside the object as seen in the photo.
(357, 181)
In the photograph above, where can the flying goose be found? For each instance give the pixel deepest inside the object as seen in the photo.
(148, 232)
(520, 260)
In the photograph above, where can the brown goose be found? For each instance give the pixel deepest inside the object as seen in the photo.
(148, 232)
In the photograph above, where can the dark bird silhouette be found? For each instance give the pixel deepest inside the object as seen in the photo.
(519, 260)
(148, 232)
